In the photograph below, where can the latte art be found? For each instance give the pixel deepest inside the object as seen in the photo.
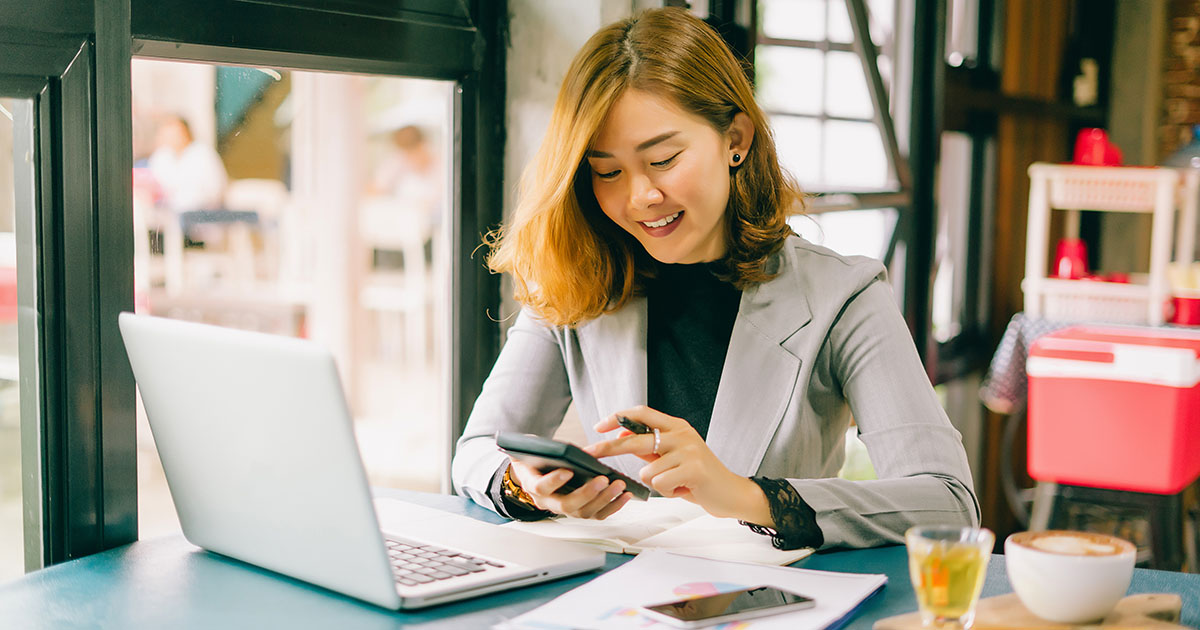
(1073, 543)
(1073, 546)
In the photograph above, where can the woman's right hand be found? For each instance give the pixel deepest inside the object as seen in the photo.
(596, 499)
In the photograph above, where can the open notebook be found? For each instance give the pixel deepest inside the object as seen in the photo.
(673, 525)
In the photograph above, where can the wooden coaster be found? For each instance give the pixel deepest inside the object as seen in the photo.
(1157, 611)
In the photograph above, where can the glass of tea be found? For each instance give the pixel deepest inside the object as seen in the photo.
(948, 564)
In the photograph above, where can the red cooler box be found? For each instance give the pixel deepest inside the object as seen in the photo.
(1115, 408)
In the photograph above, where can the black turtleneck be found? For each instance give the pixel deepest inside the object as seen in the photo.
(691, 314)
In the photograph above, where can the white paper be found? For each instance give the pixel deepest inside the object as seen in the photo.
(670, 524)
(636, 521)
(611, 601)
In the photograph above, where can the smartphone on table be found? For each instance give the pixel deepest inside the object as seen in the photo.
(708, 610)
(546, 455)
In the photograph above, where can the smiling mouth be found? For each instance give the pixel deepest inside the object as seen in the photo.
(661, 222)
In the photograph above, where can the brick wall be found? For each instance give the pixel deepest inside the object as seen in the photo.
(1181, 76)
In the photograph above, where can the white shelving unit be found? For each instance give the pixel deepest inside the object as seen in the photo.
(1157, 191)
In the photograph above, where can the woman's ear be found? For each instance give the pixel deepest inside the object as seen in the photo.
(740, 135)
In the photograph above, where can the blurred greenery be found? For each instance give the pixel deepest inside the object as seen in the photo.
(858, 466)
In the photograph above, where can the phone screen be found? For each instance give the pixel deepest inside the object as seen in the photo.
(751, 602)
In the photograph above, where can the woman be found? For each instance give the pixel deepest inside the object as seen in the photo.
(661, 282)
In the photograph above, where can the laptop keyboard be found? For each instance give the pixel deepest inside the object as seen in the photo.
(416, 563)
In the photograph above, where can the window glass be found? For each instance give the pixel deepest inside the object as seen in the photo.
(792, 19)
(312, 205)
(840, 30)
(885, 74)
(790, 79)
(849, 232)
(847, 95)
(882, 23)
(816, 93)
(12, 547)
(798, 141)
(953, 206)
(854, 158)
(880, 16)
(962, 28)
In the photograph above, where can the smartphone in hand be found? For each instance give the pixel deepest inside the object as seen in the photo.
(546, 455)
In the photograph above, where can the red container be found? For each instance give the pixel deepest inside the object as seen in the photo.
(1093, 148)
(1185, 310)
(1070, 259)
(1115, 408)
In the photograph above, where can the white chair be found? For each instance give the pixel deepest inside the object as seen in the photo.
(1159, 192)
(230, 258)
(397, 299)
(270, 199)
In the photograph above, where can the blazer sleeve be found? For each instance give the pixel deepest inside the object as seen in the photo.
(923, 475)
(526, 391)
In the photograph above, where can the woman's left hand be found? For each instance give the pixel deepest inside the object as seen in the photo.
(683, 465)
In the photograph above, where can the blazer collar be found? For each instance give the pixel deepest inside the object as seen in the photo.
(760, 373)
(780, 306)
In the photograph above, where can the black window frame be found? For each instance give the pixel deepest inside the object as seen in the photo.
(72, 59)
(75, 461)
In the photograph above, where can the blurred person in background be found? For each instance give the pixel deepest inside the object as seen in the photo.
(410, 173)
(189, 175)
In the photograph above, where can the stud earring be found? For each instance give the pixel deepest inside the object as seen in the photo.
(737, 158)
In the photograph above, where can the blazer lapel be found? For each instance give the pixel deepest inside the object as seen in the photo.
(759, 375)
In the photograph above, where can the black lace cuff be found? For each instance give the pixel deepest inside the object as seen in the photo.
(508, 507)
(795, 521)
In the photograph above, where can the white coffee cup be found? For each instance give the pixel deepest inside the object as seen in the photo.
(1069, 576)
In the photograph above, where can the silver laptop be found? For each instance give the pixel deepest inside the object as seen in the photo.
(258, 449)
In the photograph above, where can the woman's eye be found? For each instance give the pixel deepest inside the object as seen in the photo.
(666, 162)
(608, 175)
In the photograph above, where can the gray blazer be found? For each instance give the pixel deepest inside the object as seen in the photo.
(821, 342)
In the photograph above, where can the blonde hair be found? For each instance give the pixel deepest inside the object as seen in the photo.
(569, 262)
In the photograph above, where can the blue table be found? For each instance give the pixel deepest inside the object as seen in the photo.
(168, 583)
